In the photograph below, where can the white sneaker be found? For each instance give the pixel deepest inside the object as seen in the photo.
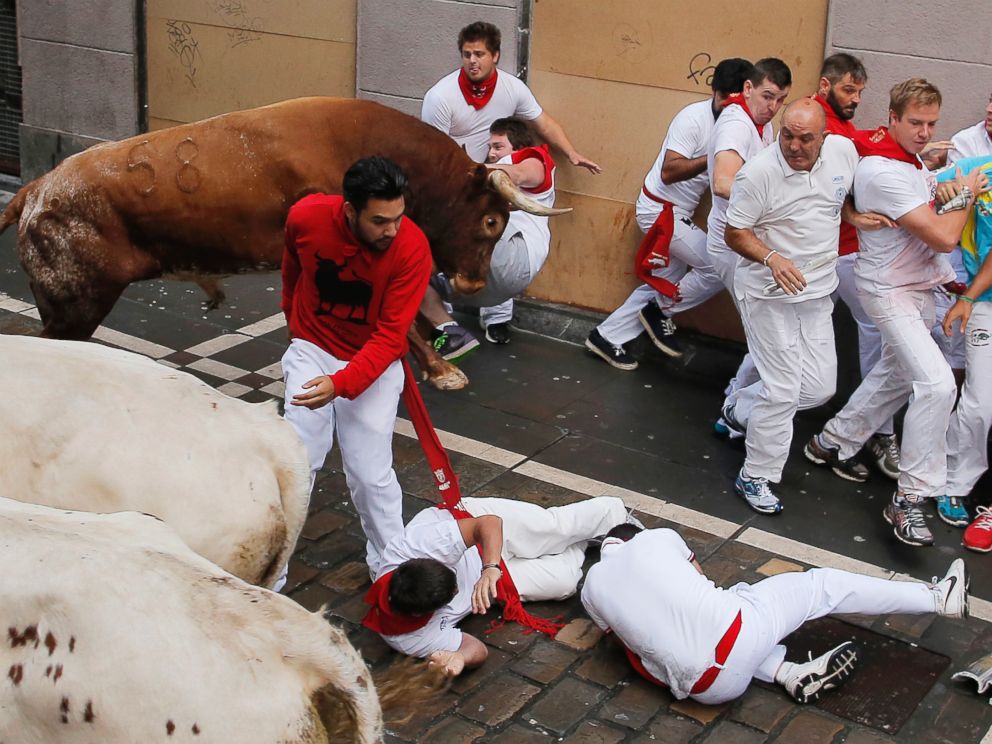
(805, 681)
(951, 592)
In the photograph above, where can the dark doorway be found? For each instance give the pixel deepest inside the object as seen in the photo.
(10, 91)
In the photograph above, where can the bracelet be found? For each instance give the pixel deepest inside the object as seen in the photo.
(492, 565)
(771, 253)
(967, 299)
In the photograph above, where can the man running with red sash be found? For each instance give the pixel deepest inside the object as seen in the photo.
(450, 562)
(708, 643)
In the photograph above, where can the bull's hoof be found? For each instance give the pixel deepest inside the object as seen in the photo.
(450, 378)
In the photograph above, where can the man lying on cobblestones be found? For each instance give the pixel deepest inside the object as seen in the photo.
(704, 642)
(446, 565)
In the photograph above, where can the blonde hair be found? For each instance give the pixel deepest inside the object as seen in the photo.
(914, 90)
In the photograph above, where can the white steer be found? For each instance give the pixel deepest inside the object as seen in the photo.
(96, 429)
(115, 631)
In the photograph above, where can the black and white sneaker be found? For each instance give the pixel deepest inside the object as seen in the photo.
(951, 592)
(805, 681)
(850, 469)
(884, 451)
(498, 333)
(907, 520)
(615, 356)
(661, 330)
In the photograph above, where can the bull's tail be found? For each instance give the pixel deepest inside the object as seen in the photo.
(292, 467)
(12, 213)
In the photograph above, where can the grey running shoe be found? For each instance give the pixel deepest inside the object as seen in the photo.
(498, 333)
(615, 356)
(661, 329)
(807, 680)
(951, 592)
(885, 452)
(453, 342)
(758, 494)
(907, 520)
(849, 469)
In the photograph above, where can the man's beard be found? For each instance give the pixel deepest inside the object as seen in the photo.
(835, 105)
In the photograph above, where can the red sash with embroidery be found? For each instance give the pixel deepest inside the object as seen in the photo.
(879, 142)
(381, 614)
(477, 95)
(737, 99)
(653, 253)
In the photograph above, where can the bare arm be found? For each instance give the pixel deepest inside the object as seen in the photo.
(471, 653)
(487, 532)
(677, 167)
(863, 220)
(942, 232)
(527, 173)
(725, 167)
(552, 133)
(696, 565)
(744, 242)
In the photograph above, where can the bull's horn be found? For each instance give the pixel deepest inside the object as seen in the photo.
(500, 182)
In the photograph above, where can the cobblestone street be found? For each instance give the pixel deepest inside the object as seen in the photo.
(544, 423)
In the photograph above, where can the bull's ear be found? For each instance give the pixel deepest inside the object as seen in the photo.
(480, 174)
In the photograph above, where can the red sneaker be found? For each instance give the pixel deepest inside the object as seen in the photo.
(978, 535)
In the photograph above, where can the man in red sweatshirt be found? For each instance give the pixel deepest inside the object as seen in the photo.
(354, 273)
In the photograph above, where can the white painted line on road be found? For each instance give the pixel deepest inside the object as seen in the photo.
(277, 388)
(266, 325)
(221, 343)
(218, 369)
(273, 371)
(15, 306)
(131, 343)
(463, 445)
(809, 554)
(234, 389)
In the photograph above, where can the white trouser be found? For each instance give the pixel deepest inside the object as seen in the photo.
(687, 251)
(792, 345)
(869, 337)
(775, 607)
(364, 428)
(740, 391)
(967, 435)
(911, 368)
(544, 548)
(953, 346)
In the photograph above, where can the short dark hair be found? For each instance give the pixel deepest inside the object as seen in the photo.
(772, 69)
(624, 531)
(729, 75)
(836, 66)
(420, 586)
(516, 130)
(481, 31)
(373, 178)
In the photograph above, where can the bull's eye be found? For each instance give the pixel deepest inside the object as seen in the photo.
(490, 222)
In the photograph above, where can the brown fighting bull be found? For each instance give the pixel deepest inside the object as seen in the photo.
(210, 198)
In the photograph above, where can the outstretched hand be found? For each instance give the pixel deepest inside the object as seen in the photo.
(583, 162)
(961, 310)
(484, 592)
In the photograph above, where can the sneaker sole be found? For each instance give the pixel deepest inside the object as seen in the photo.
(492, 340)
(817, 460)
(840, 666)
(606, 358)
(776, 510)
(977, 550)
(900, 538)
(953, 522)
(462, 351)
(667, 350)
(894, 475)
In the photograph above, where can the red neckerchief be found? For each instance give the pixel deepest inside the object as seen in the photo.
(738, 99)
(835, 125)
(477, 95)
(381, 614)
(879, 142)
(541, 153)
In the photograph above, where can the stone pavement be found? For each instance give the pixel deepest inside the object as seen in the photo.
(544, 423)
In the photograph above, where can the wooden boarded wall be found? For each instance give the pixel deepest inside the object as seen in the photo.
(614, 73)
(207, 57)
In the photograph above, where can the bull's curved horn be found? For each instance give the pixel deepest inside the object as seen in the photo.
(500, 182)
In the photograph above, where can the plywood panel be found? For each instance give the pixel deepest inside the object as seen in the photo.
(332, 20)
(619, 125)
(196, 70)
(668, 44)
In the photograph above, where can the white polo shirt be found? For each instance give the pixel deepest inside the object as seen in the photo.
(972, 142)
(735, 131)
(434, 533)
(893, 258)
(796, 213)
(650, 595)
(688, 135)
(445, 108)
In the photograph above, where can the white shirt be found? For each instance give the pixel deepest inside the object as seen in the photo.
(970, 143)
(893, 257)
(650, 595)
(735, 131)
(531, 227)
(796, 213)
(445, 108)
(688, 135)
(434, 533)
